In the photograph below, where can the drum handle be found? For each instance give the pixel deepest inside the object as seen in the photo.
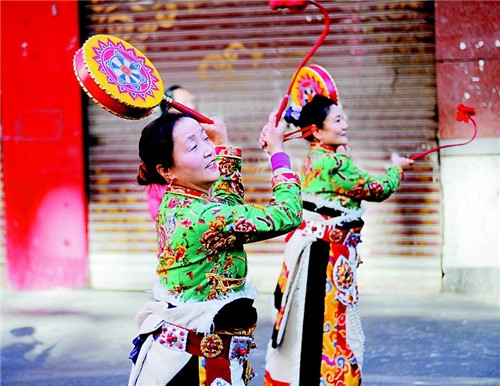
(195, 114)
(464, 114)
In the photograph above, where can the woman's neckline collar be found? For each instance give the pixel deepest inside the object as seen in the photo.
(317, 145)
(177, 189)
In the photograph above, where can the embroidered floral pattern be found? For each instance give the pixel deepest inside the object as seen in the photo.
(240, 347)
(335, 177)
(173, 337)
(339, 366)
(331, 177)
(344, 278)
(201, 237)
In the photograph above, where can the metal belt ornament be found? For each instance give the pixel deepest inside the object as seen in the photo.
(211, 346)
(121, 79)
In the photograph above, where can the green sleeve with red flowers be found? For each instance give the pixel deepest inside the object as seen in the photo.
(336, 176)
(262, 223)
(229, 189)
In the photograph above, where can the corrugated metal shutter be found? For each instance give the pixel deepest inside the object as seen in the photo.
(238, 57)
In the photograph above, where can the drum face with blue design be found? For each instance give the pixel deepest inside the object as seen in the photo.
(118, 77)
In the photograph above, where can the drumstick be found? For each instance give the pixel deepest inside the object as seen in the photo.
(195, 114)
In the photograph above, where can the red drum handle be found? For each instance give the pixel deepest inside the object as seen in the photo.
(464, 114)
(297, 6)
(195, 114)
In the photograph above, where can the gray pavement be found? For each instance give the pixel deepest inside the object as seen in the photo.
(82, 338)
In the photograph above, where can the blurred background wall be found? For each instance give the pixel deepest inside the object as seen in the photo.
(73, 216)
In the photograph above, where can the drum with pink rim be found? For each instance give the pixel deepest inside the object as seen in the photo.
(121, 79)
(312, 80)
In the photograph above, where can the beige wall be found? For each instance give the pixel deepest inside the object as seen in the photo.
(471, 212)
(468, 72)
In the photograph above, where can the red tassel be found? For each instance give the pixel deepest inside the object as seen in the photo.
(465, 112)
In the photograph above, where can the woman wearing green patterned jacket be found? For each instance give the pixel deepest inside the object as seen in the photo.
(198, 329)
(317, 337)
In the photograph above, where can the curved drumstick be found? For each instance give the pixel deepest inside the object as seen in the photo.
(297, 6)
(465, 113)
(195, 114)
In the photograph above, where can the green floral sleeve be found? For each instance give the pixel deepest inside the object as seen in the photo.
(229, 188)
(360, 185)
(336, 175)
(255, 222)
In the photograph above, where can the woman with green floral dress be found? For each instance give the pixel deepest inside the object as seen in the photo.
(317, 337)
(198, 329)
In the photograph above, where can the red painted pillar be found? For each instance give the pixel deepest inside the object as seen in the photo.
(467, 68)
(42, 146)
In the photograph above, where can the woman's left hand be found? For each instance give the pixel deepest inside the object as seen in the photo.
(216, 131)
(271, 136)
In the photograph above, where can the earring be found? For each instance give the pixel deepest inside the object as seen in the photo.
(169, 178)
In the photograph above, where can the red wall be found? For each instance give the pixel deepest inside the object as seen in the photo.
(468, 65)
(42, 146)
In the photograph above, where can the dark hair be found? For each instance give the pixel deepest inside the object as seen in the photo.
(156, 146)
(313, 113)
(169, 92)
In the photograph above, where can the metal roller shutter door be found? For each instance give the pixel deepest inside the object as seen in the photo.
(238, 57)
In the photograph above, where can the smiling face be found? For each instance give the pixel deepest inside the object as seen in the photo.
(194, 156)
(334, 129)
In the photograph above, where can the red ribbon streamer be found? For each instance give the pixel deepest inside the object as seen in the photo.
(304, 132)
(464, 114)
